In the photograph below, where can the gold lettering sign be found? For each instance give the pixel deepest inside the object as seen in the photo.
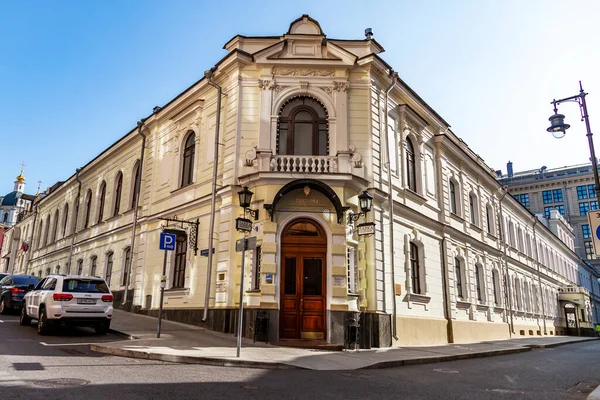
(307, 202)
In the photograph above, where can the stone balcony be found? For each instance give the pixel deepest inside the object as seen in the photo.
(264, 161)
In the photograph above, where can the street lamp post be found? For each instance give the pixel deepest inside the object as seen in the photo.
(558, 128)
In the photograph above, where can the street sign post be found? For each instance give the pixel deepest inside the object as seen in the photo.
(594, 220)
(243, 224)
(242, 245)
(167, 243)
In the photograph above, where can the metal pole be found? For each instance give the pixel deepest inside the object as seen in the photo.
(162, 294)
(211, 227)
(137, 184)
(241, 309)
(586, 119)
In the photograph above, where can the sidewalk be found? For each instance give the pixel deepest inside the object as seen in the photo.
(191, 344)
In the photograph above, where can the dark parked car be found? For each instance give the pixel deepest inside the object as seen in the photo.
(13, 289)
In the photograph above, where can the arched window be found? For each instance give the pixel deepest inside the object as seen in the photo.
(79, 267)
(479, 282)
(101, 201)
(47, 271)
(496, 286)
(76, 216)
(93, 266)
(453, 197)
(65, 219)
(118, 190)
(189, 151)
(415, 269)
(459, 280)
(88, 208)
(126, 266)
(55, 226)
(57, 270)
(40, 237)
(489, 216)
(411, 174)
(136, 184)
(303, 128)
(109, 266)
(473, 209)
(47, 231)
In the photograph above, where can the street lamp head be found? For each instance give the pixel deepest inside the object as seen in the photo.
(557, 125)
(365, 201)
(245, 197)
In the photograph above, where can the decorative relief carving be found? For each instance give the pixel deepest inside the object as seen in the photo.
(341, 86)
(304, 86)
(279, 88)
(328, 90)
(303, 72)
(251, 160)
(266, 84)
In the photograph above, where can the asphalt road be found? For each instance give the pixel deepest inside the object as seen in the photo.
(61, 366)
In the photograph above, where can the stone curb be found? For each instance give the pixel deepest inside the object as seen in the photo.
(220, 362)
(123, 334)
(549, 345)
(595, 395)
(437, 359)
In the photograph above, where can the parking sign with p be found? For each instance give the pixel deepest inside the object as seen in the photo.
(167, 241)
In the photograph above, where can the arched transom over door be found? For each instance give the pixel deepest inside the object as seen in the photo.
(303, 281)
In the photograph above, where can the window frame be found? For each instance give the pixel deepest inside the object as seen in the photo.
(109, 266)
(101, 201)
(459, 278)
(547, 197)
(411, 164)
(415, 269)
(256, 266)
(126, 265)
(582, 192)
(290, 121)
(188, 156)
(88, 209)
(452, 194)
(118, 193)
(180, 261)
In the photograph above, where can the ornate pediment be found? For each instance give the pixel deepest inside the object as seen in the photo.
(305, 49)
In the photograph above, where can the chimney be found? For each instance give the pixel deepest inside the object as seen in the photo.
(509, 169)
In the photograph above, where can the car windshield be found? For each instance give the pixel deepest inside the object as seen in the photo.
(84, 286)
(25, 280)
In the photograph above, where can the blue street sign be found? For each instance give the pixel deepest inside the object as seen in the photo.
(167, 241)
(204, 253)
(598, 232)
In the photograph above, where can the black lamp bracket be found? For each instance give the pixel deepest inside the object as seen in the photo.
(193, 233)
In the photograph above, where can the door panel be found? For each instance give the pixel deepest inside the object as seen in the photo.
(303, 302)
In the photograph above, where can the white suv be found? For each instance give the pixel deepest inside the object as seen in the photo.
(69, 300)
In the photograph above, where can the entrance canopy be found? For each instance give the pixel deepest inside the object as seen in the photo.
(308, 195)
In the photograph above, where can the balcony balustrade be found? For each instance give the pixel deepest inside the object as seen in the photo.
(304, 164)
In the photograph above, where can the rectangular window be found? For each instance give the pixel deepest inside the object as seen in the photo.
(352, 270)
(582, 193)
(592, 191)
(547, 212)
(415, 269)
(584, 208)
(594, 205)
(459, 291)
(93, 267)
(256, 262)
(478, 282)
(589, 251)
(523, 199)
(109, 264)
(126, 266)
(558, 195)
(586, 231)
(547, 196)
(180, 261)
(561, 209)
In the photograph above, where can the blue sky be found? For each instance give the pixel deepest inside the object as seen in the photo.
(76, 75)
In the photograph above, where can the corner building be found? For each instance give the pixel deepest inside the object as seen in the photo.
(303, 125)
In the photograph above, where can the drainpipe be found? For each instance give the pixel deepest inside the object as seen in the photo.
(394, 76)
(447, 305)
(211, 229)
(27, 257)
(537, 261)
(137, 184)
(502, 239)
(78, 170)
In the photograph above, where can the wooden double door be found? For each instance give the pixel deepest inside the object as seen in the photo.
(303, 281)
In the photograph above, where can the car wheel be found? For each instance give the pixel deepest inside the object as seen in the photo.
(43, 325)
(103, 328)
(24, 319)
(3, 307)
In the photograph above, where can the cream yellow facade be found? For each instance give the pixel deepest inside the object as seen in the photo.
(460, 263)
